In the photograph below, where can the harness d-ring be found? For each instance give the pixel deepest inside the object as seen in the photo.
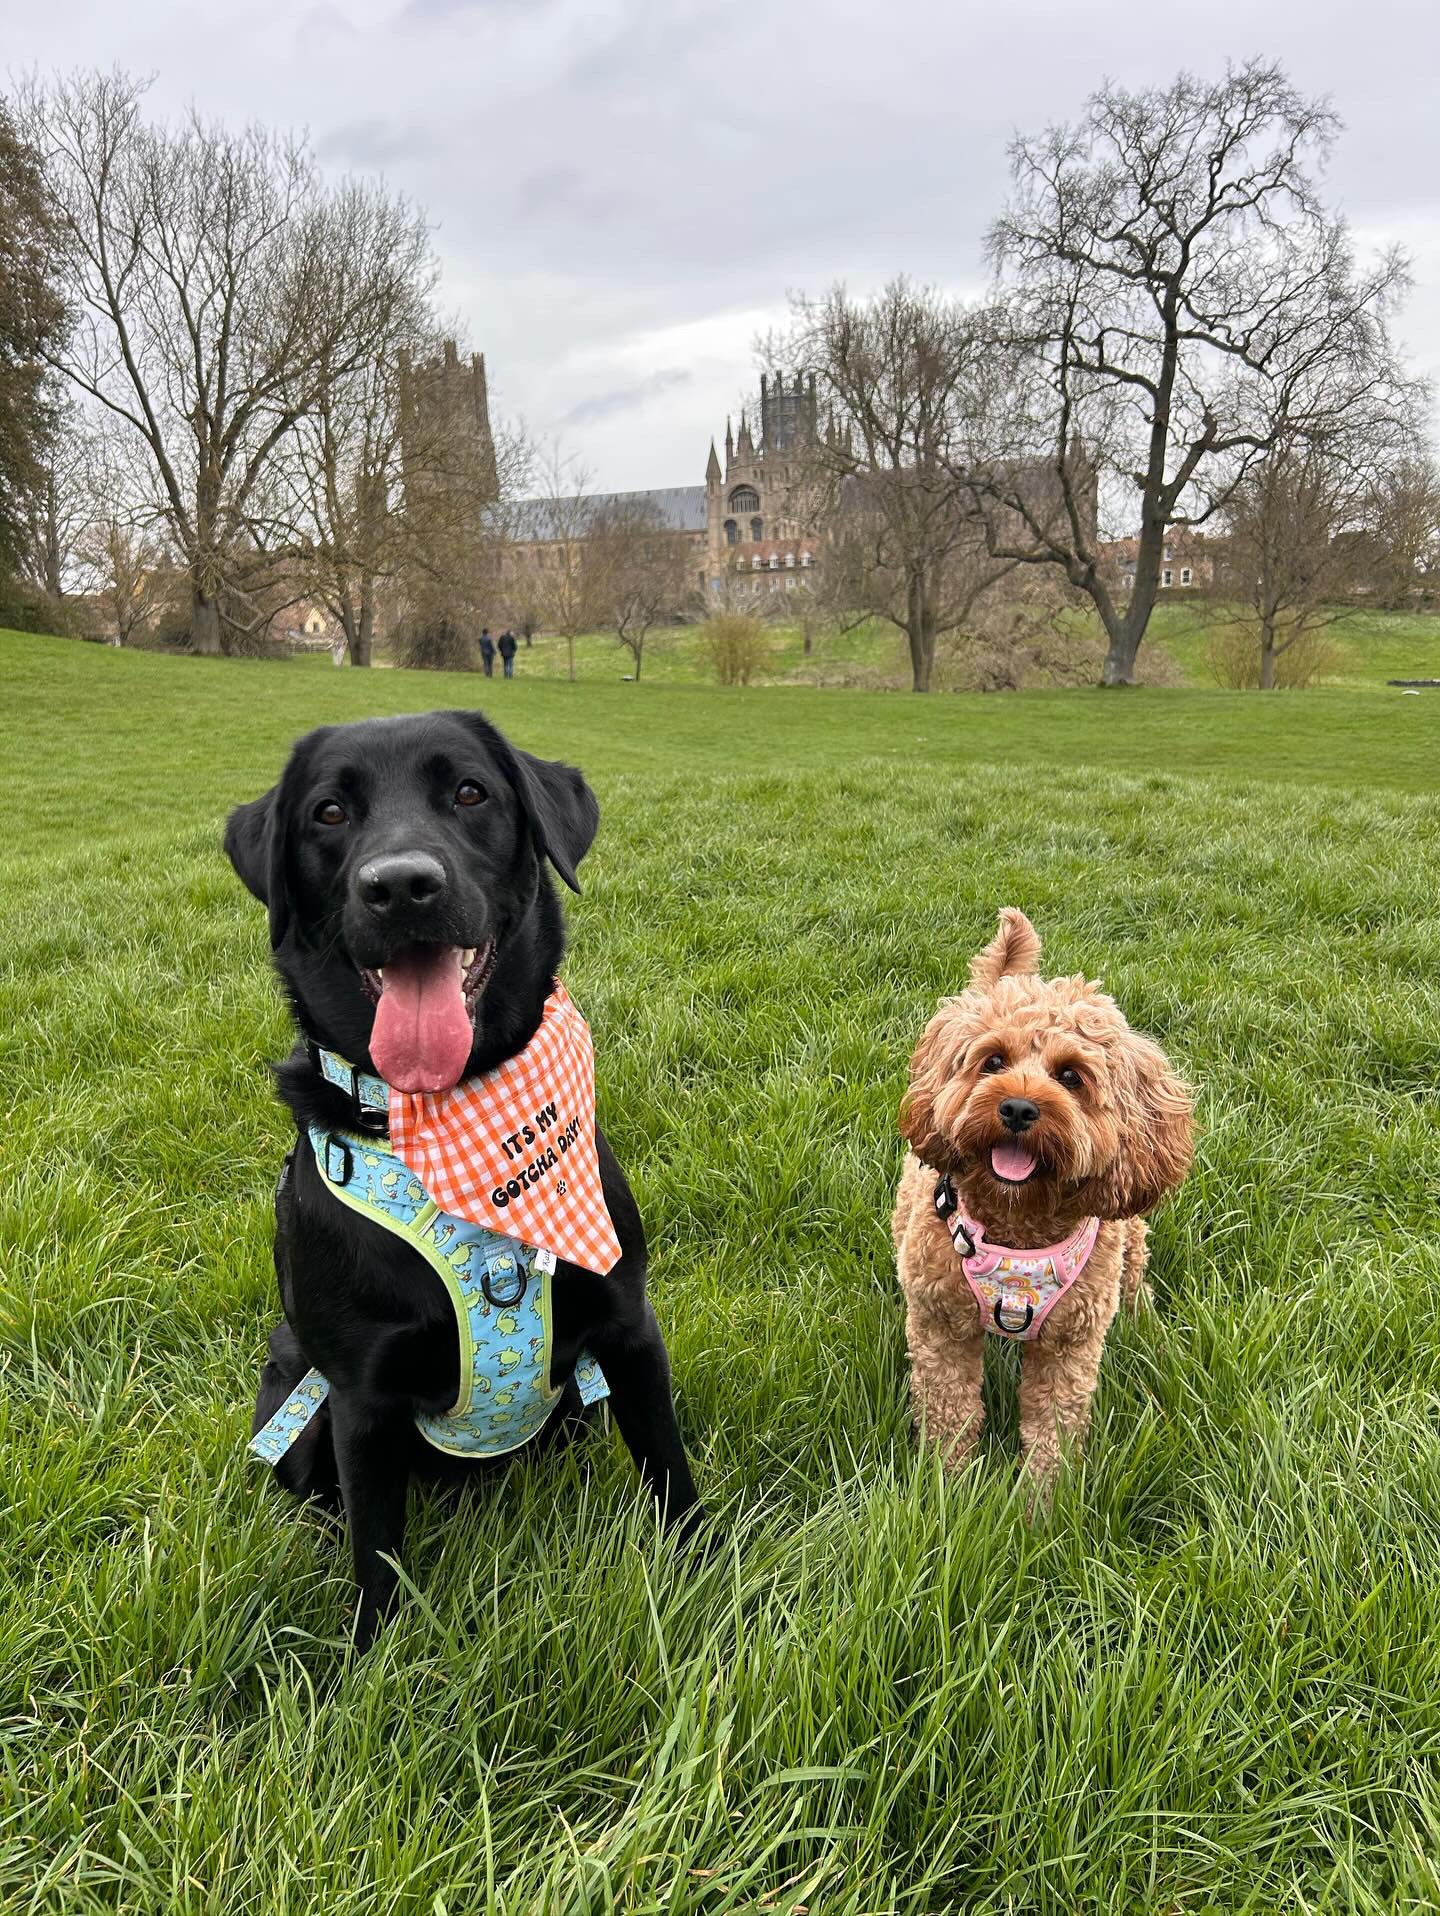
(494, 1297)
(1013, 1330)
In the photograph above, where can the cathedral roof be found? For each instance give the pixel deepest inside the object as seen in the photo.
(682, 508)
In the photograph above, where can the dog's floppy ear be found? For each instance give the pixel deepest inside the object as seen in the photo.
(1015, 949)
(255, 846)
(1157, 1133)
(931, 1068)
(562, 811)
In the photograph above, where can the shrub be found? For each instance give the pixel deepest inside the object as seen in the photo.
(736, 646)
(433, 645)
(1234, 659)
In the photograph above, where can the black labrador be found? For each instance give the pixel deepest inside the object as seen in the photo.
(382, 839)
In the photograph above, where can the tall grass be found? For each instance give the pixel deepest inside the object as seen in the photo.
(1208, 1681)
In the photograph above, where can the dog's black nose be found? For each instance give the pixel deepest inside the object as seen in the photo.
(1018, 1114)
(400, 879)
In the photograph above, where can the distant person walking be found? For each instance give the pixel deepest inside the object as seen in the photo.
(338, 647)
(508, 649)
(487, 651)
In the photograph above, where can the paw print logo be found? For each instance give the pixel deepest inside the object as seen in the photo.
(559, 1187)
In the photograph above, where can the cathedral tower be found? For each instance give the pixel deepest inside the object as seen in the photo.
(445, 424)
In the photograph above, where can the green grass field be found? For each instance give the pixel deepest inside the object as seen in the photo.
(1210, 1681)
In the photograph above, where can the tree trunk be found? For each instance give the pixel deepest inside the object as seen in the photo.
(204, 624)
(1267, 659)
(636, 651)
(918, 632)
(806, 642)
(362, 639)
(53, 583)
(1119, 667)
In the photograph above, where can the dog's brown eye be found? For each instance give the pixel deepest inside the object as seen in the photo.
(1069, 1077)
(467, 792)
(995, 1062)
(329, 812)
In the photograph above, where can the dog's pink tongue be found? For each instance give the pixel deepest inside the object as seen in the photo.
(422, 1035)
(1011, 1161)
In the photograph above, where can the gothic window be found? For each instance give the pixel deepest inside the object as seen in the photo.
(744, 499)
(757, 526)
(732, 532)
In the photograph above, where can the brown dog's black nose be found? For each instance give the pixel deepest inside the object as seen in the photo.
(1018, 1114)
(400, 879)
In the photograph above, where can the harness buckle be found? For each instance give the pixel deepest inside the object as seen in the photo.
(339, 1162)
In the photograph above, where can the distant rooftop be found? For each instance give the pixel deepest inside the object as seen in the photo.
(682, 508)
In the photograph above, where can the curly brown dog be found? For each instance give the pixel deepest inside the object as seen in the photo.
(1041, 1129)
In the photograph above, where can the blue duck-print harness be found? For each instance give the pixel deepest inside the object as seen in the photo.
(501, 1293)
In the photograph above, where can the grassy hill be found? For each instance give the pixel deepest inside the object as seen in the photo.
(1207, 1681)
(1366, 648)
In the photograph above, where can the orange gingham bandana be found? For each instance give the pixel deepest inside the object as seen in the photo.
(514, 1149)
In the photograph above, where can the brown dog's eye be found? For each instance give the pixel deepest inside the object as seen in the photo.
(995, 1062)
(467, 792)
(330, 812)
(1069, 1077)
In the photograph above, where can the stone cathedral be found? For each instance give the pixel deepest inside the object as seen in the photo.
(756, 520)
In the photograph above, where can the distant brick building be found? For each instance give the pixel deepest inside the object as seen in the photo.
(1187, 561)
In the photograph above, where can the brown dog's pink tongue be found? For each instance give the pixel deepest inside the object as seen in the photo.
(1012, 1161)
(422, 1035)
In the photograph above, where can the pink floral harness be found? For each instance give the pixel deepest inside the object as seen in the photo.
(1015, 1290)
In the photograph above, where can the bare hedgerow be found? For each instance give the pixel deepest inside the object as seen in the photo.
(1236, 662)
(736, 646)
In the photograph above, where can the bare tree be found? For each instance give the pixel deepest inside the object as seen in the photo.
(556, 556)
(60, 505)
(640, 570)
(213, 296)
(334, 498)
(1174, 304)
(1303, 536)
(895, 375)
(1404, 522)
(125, 572)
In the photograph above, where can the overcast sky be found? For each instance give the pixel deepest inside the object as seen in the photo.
(625, 191)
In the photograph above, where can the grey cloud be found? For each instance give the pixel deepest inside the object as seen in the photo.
(599, 173)
(443, 9)
(375, 142)
(623, 399)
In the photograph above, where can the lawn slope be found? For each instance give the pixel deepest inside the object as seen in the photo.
(1209, 1681)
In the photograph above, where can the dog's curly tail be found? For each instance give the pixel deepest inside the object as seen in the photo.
(1015, 949)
